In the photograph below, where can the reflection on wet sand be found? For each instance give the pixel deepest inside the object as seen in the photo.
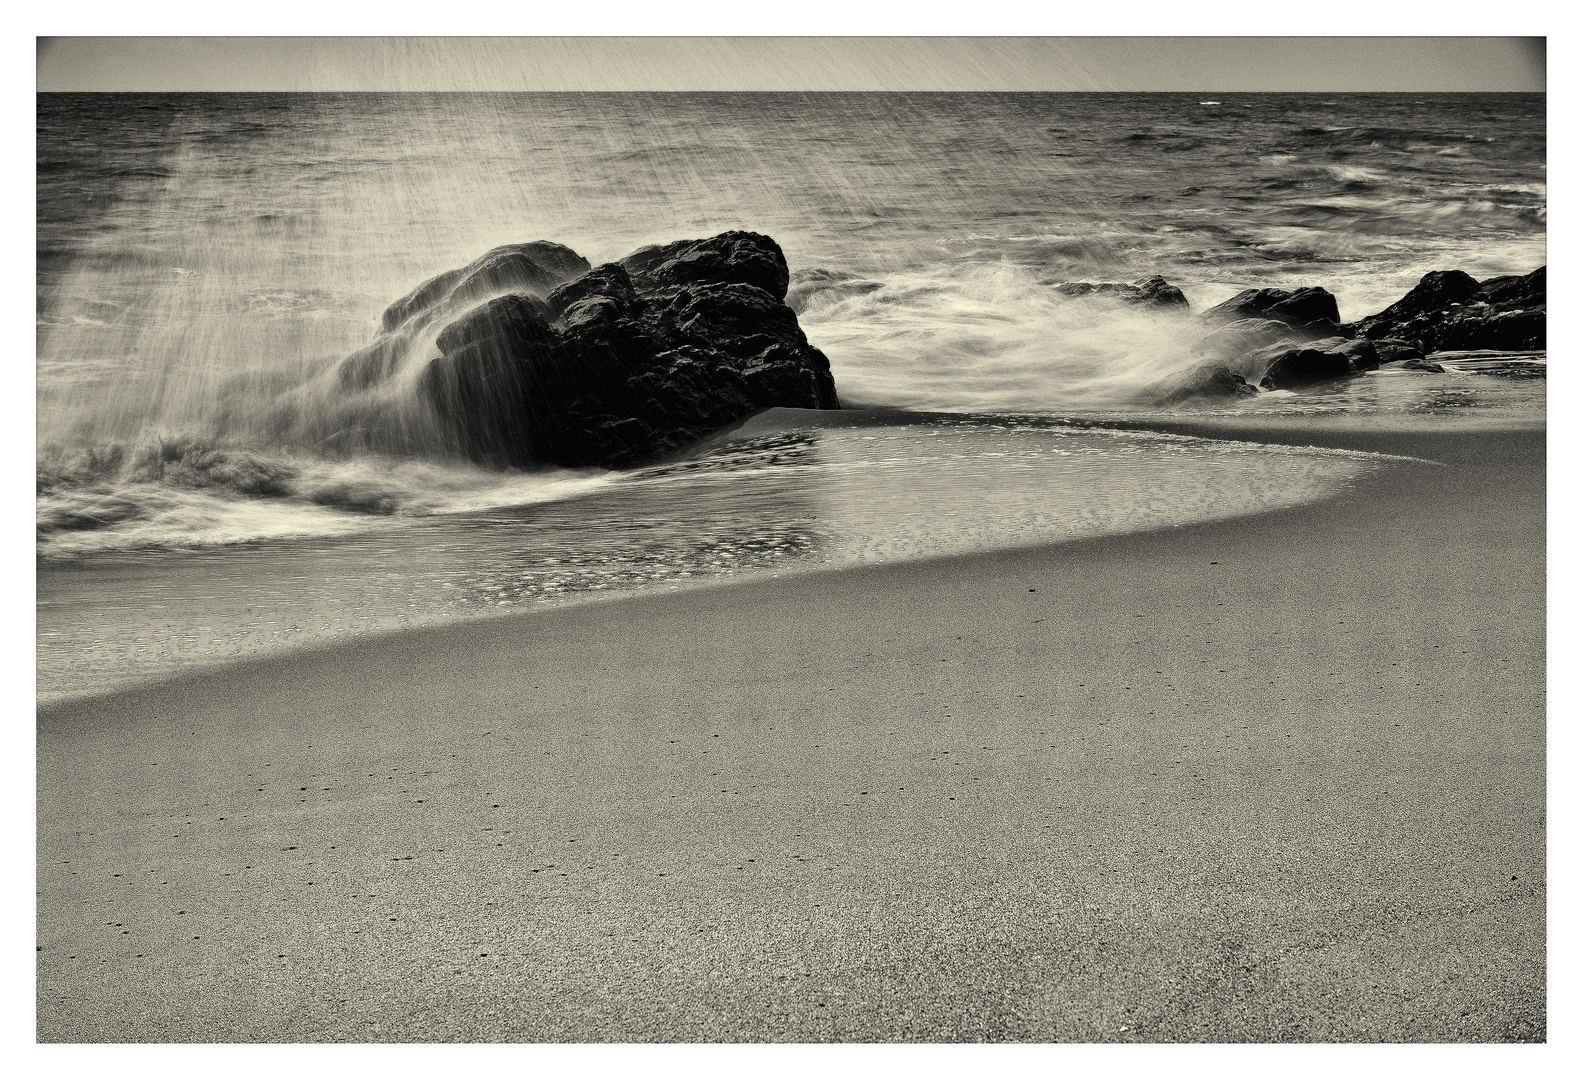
(770, 503)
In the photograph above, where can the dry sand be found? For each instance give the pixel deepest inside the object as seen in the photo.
(1276, 778)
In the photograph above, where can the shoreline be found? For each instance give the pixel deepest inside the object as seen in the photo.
(1137, 787)
(389, 612)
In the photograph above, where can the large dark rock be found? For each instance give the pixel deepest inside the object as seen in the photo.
(542, 359)
(1512, 292)
(1449, 311)
(1393, 350)
(1304, 367)
(1243, 336)
(1209, 381)
(1361, 353)
(743, 258)
(1285, 364)
(508, 323)
(534, 268)
(607, 282)
(1435, 291)
(1296, 308)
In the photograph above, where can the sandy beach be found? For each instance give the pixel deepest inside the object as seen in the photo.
(1277, 778)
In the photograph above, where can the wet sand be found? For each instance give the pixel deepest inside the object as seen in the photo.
(1279, 778)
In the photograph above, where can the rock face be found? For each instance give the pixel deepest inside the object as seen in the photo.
(741, 258)
(1244, 336)
(1303, 367)
(1310, 310)
(1206, 382)
(1288, 339)
(1414, 364)
(1449, 310)
(1154, 292)
(1393, 350)
(545, 359)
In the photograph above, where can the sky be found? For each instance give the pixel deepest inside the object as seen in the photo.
(1217, 64)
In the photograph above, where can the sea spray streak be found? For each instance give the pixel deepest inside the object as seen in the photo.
(207, 261)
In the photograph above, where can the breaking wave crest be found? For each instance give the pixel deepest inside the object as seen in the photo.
(172, 490)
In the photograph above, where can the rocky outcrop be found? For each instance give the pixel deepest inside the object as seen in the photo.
(1284, 339)
(533, 269)
(1154, 292)
(1449, 310)
(1243, 336)
(1303, 367)
(1394, 350)
(1414, 364)
(542, 358)
(1210, 381)
(740, 258)
(1311, 311)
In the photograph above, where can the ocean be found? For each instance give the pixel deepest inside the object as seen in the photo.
(205, 259)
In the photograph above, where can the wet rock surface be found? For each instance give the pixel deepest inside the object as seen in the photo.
(1154, 292)
(542, 358)
(1208, 381)
(1299, 308)
(1285, 340)
(1301, 367)
(1449, 310)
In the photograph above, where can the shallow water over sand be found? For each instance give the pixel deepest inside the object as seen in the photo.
(786, 502)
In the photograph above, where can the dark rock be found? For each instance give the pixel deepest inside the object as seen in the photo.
(1304, 367)
(1153, 292)
(1435, 291)
(534, 268)
(1243, 336)
(1448, 310)
(1317, 330)
(608, 366)
(1157, 292)
(1208, 381)
(1511, 330)
(1506, 293)
(694, 390)
(371, 365)
(609, 281)
(507, 270)
(1362, 352)
(1295, 308)
(743, 258)
(592, 315)
(1304, 307)
(1415, 363)
(507, 322)
(725, 316)
(1390, 350)
(774, 377)
(1344, 357)
(481, 395)
(424, 297)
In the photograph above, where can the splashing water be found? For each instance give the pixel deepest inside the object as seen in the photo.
(206, 261)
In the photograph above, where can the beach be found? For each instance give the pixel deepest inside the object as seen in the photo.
(1277, 777)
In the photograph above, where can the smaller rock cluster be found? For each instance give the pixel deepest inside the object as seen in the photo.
(1282, 339)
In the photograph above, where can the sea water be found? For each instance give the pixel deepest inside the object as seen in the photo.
(204, 259)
